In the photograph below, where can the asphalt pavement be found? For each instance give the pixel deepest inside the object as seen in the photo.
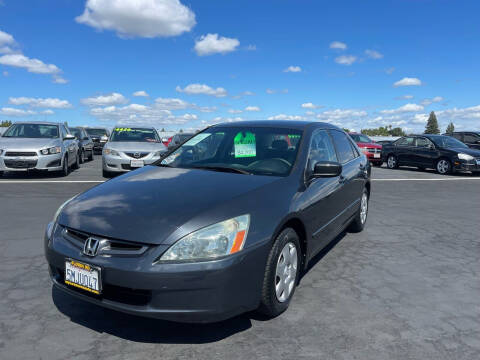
(407, 287)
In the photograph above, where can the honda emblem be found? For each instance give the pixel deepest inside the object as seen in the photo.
(91, 246)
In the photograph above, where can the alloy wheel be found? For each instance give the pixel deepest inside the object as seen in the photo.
(364, 208)
(286, 272)
(443, 166)
(391, 161)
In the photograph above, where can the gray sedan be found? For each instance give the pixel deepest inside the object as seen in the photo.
(38, 145)
(130, 148)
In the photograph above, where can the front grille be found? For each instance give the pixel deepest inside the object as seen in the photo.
(110, 292)
(108, 247)
(127, 167)
(20, 164)
(20, 153)
(137, 155)
(374, 150)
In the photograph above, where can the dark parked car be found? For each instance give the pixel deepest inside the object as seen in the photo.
(85, 143)
(443, 153)
(370, 148)
(99, 137)
(384, 142)
(470, 138)
(177, 139)
(206, 238)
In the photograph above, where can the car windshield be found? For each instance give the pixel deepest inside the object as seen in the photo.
(246, 150)
(360, 138)
(134, 134)
(183, 137)
(32, 131)
(76, 132)
(96, 132)
(447, 142)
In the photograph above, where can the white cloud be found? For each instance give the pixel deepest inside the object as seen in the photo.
(252, 108)
(140, 93)
(339, 115)
(48, 112)
(466, 117)
(213, 44)
(286, 117)
(373, 54)
(40, 102)
(5, 73)
(345, 59)
(420, 119)
(390, 70)
(274, 91)
(140, 114)
(31, 65)
(234, 111)
(251, 47)
(404, 97)
(59, 80)
(338, 45)
(171, 104)
(436, 99)
(406, 81)
(103, 100)
(8, 111)
(139, 18)
(294, 69)
(310, 105)
(202, 89)
(403, 109)
(220, 119)
(6, 38)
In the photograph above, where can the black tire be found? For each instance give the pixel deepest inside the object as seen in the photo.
(392, 161)
(358, 223)
(106, 174)
(422, 168)
(1, 173)
(81, 157)
(90, 157)
(64, 171)
(76, 164)
(270, 305)
(443, 166)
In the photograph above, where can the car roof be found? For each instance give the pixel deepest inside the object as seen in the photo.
(291, 124)
(38, 123)
(135, 127)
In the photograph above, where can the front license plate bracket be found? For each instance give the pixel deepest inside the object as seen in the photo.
(83, 276)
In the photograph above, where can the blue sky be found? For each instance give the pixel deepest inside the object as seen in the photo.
(357, 64)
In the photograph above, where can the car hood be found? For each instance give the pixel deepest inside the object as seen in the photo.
(27, 144)
(370, 145)
(136, 146)
(469, 151)
(149, 204)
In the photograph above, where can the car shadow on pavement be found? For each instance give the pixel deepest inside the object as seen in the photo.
(145, 330)
(24, 175)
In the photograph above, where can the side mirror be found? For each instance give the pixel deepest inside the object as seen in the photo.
(327, 169)
(69, 137)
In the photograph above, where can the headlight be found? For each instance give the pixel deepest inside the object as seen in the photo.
(55, 217)
(104, 138)
(221, 239)
(462, 156)
(52, 150)
(111, 152)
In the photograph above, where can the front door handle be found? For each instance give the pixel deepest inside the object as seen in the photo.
(342, 179)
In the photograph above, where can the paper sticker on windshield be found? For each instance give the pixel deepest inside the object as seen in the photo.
(196, 139)
(245, 145)
(122, 129)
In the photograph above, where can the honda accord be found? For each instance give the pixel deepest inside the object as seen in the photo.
(222, 225)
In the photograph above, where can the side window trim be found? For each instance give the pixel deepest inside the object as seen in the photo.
(330, 131)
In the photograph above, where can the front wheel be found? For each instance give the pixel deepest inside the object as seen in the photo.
(82, 157)
(281, 274)
(64, 171)
(76, 164)
(392, 162)
(360, 219)
(444, 167)
(90, 158)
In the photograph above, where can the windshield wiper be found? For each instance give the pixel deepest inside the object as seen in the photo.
(224, 169)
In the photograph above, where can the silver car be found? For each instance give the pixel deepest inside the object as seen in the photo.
(129, 148)
(38, 145)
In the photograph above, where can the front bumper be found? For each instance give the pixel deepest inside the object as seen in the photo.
(185, 292)
(371, 157)
(467, 165)
(122, 162)
(23, 163)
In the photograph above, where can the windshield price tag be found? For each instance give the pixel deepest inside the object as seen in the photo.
(245, 145)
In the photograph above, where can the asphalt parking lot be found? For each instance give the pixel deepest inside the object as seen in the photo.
(406, 288)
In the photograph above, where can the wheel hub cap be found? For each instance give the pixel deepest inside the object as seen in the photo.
(364, 208)
(286, 272)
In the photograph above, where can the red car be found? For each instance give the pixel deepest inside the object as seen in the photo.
(369, 148)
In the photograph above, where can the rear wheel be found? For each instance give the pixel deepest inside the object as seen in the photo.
(392, 162)
(281, 274)
(444, 166)
(360, 219)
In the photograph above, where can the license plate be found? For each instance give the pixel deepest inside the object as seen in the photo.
(83, 276)
(136, 163)
(376, 156)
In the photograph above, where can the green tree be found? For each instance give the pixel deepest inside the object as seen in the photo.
(5, 123)
(432, 125)
(450, 128)
(346, 130)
